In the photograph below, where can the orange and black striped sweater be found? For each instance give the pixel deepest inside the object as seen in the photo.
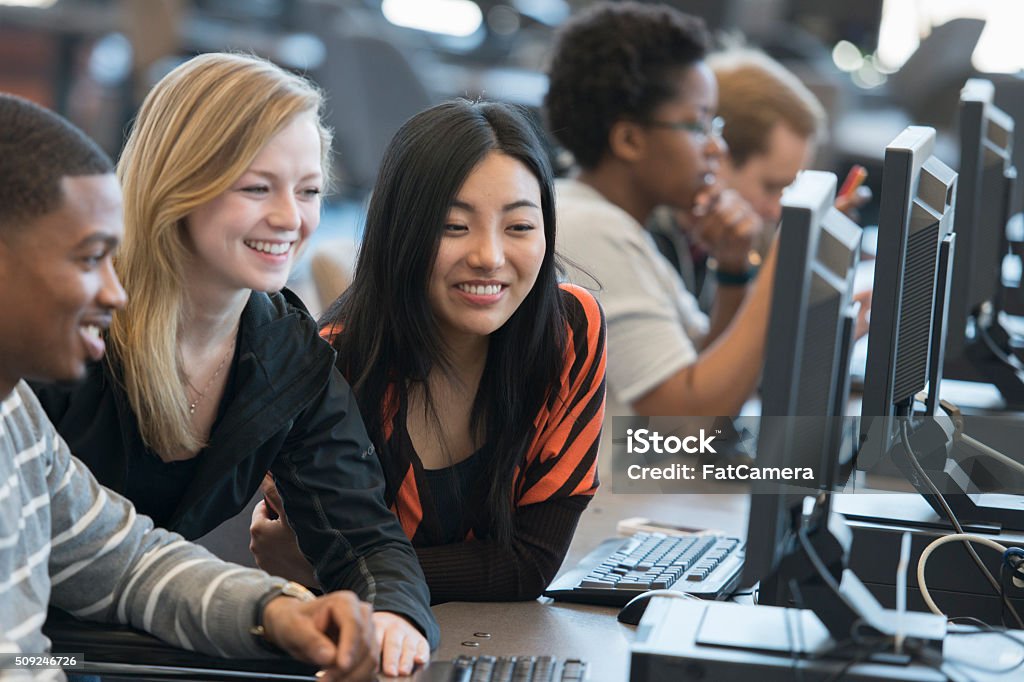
(551, 489)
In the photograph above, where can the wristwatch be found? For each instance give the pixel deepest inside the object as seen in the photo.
(736, 278)
(282, 589)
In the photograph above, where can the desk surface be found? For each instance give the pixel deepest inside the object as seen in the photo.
(592, 633)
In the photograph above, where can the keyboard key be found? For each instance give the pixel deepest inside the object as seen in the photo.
(573, 670)
(544, 669)
(523, 670)
(516, 669)
(503, 669)
(483, 668)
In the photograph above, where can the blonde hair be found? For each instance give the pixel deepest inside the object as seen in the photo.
(197, 132)
(755, 92)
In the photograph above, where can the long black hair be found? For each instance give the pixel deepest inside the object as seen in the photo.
(390, 339)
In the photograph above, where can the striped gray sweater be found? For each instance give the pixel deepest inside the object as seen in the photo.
(68, 541)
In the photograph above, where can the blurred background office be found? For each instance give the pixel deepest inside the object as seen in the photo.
(876, 65)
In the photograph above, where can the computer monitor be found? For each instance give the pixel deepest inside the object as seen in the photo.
(911, 303)
(1009, 97)
(911, 285)
(984, 195)
(796, 547)
(806, 375)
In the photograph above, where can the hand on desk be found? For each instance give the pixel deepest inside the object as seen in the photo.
(398, 644)
(334, 631)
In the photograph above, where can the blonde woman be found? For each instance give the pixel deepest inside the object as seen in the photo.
(216, 374)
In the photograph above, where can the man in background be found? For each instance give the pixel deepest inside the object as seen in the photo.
(773, 125)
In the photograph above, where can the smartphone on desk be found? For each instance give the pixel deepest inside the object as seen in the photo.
(641, 524)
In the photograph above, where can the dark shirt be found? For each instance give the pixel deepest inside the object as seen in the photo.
(156, 487)
(450, 490)
(551, 488)
(285, 410)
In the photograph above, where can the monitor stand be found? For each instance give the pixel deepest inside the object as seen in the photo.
(680, 639)
(934, 441)
(814, 575)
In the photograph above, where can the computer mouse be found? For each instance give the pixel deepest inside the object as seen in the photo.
(633, 611)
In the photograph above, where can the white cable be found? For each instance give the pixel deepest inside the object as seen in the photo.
(935, 544)
(993, 453)
(901, 590)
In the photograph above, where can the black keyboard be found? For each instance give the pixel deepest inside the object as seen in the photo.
(504, 669)
(706, 566)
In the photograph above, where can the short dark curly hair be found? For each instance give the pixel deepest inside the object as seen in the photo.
(615, 61)
(37, 149)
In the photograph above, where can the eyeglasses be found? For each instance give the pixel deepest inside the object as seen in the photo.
(699, 129)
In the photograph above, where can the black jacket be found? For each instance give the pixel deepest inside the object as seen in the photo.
(285, 410)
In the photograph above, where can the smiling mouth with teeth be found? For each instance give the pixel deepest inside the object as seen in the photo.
(92, 330)
(273, 248)
(481, 290)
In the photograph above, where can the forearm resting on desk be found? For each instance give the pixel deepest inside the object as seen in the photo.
(726, 372)
(478, 570)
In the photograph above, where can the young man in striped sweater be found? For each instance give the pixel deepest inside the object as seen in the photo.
(64, 539)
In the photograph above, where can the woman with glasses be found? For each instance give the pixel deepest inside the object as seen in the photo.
(631, 97)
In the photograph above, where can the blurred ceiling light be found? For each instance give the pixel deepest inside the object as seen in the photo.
(898, 34)
(867, 76)
(550, 12)
(503, 20)
(847, 56)
(301, 50)
(459, 18)
(110, 61)
(29, 3)
(880, 66)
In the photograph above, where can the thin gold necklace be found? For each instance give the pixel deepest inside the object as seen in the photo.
(202, 393)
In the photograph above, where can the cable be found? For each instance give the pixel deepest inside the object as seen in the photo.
(800, 648)
(935, 544)
(905, 439)
(1013, 559)
(936, 662)
(862, 655)
(901, 591)
(1012, 362)
(819, 565)
(992, 452)
(985, 629)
